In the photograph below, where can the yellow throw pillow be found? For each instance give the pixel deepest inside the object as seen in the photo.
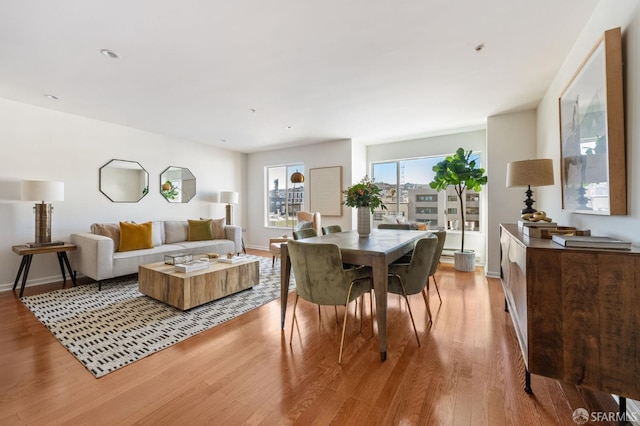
(200, 230)
(134, 236)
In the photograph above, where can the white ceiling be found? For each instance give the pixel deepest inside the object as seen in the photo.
(235, 73)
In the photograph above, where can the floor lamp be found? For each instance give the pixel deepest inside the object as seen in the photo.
(39, 190)
(230, 198)
(296, 177)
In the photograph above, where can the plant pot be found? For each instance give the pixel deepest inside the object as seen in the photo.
(464, 261)
(364, 222)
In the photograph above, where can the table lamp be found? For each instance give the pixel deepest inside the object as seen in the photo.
(39, 190)
(530, 173)
(230, 198)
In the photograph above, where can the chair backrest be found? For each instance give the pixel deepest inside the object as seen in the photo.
(420, 265)
(317, 268)
(304, 233)
(405, 226)
(331, 229)
(314, 218)
(442, 236)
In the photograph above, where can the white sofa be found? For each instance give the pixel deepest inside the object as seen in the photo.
(96, 256)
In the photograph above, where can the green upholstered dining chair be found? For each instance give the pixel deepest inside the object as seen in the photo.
(321, 279)
(331, 229)
(410, 278)
(404, 226)
(304, 233)
(442, 236)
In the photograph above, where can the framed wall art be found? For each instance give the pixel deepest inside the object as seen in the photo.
(592, 139)
(325, 190)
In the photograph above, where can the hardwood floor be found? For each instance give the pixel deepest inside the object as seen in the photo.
(468, 371)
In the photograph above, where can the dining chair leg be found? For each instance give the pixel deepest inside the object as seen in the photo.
(404, 293)
(436, 284)
(335, 308)
(425, 296)
(344, 322)
(273, 261)
(293, 321)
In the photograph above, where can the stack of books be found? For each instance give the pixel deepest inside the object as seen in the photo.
(591, 242)
(192, 266)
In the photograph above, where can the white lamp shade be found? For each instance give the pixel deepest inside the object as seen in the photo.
(42, 190)
(229, 197)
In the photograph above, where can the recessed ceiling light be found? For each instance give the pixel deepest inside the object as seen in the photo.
(223, 140)
(288, 127)
(252, 110)
(110, 54)
(479, 47)
(54, 97)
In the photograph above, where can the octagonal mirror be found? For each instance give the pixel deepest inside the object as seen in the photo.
(177, 184)
(124, 181)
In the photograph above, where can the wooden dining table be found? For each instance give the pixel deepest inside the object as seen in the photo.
(382, 247)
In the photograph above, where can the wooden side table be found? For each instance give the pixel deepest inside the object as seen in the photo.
(27, 254)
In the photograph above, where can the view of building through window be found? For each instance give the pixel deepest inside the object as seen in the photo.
(409, 198)
(284, 199)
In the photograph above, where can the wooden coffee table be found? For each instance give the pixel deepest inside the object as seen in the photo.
(187, 290)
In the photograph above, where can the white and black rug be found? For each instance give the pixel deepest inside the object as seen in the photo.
(109, 329)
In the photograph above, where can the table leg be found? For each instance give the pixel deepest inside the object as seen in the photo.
(285, 273)
(65, 258)
(64, 276)
(22, 265)
(26, 272)
(380, 269)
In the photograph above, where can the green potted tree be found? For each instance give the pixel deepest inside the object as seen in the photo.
(460, 171)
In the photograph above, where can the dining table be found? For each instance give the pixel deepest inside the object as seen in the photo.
(378, 250)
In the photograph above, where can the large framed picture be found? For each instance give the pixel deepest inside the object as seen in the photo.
(592, 133)
(325, 190)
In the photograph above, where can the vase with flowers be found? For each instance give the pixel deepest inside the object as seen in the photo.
(365, 196)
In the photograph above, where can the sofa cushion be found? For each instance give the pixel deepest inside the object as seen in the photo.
(199, 230)
(217, 228)
(134, 236)
(175, 231)
(111, 230)
(157, 233)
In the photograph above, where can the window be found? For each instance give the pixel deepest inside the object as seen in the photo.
(406, 192)
(421, 198)
(284, 199)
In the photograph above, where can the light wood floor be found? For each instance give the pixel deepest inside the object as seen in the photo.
(468, 371)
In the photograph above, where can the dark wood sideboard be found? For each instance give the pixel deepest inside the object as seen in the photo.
(576, 312)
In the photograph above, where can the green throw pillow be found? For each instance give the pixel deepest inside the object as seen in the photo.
(200, 230)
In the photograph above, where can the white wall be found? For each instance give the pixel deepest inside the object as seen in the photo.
(609, 14)
(43, 144)
(328, 154)
(439, 145)
(510, 137)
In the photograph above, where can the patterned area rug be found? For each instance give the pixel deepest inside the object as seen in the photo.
(109, 329)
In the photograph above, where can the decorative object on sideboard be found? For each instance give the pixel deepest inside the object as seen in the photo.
(461, 171)
(43, 191)
(592, 136)
(230, 198)
(123, 181)
(177, 184)
(530, 173)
